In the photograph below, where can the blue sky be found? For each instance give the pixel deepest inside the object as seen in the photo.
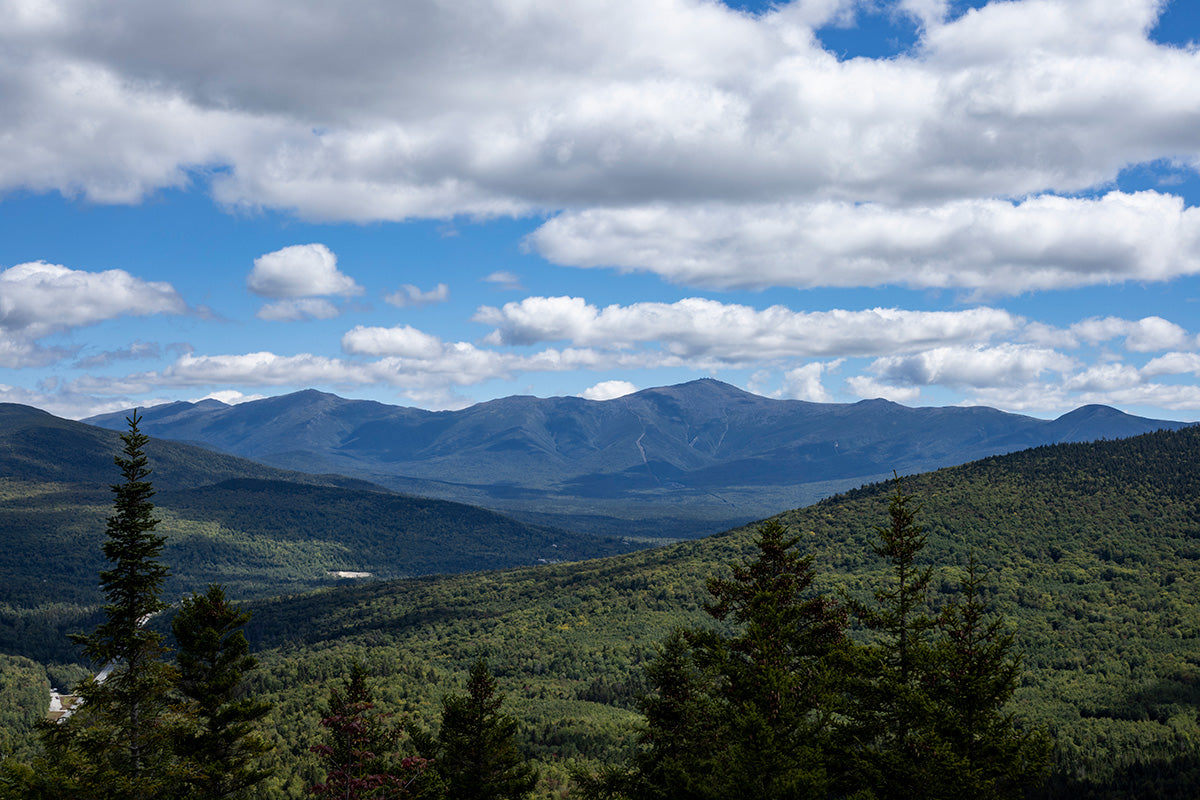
(436, 204)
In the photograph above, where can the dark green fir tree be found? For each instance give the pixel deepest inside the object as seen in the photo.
(995, 756)
(750, 711)
(929, 713)
(475, 753)
(682, 740)
(221, 749)
(119, 743)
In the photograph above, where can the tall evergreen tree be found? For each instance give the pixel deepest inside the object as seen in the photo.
(221, 748)
(780, 670)
(750, 713)
(118, 744)
(476, 754)
(978, 668)
(682, 740)
(929, 703)
(893, 713)
(902, 612)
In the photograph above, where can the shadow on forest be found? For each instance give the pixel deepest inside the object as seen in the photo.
(1164, 771)
(1166, 697)
(1158, 777)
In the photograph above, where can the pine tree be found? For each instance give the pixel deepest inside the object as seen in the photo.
(682, 739)
(476, 754)
(361, 751)
(893, 711)
(780, 676)
(978, 668)
(750, 713)
(220, 750)
(118, 744)
(930, 695)
(902, 609)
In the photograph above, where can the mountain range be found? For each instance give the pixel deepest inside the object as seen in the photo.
(671, 462)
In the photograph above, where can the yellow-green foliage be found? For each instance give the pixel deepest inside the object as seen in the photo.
(24, 699)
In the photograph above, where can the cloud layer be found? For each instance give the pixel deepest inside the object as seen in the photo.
(992, 246)
(39, 299)
(713, 147)
(373, 112)
(696, 327)
(893, 353)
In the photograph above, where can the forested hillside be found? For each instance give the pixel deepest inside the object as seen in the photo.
(1092, 552)
(258, 530)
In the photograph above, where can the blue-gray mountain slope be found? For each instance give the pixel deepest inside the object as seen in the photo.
(673, 461)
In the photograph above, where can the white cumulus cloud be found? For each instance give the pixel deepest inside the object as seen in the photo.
(805, 383)
(1104, 377)
(301, 270)
(1145, 335)
(608, 390)
(404, 341)
(977, 366)
(38, 299)
(993, 246)
(1173, 364)
(696, 327)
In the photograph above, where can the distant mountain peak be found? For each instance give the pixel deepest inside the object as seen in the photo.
(877, 402)
(1082, 424)
(307, 395)
(698, 383)
(1092, 411)
(710, 382)
(701, 387)
(182, 405)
